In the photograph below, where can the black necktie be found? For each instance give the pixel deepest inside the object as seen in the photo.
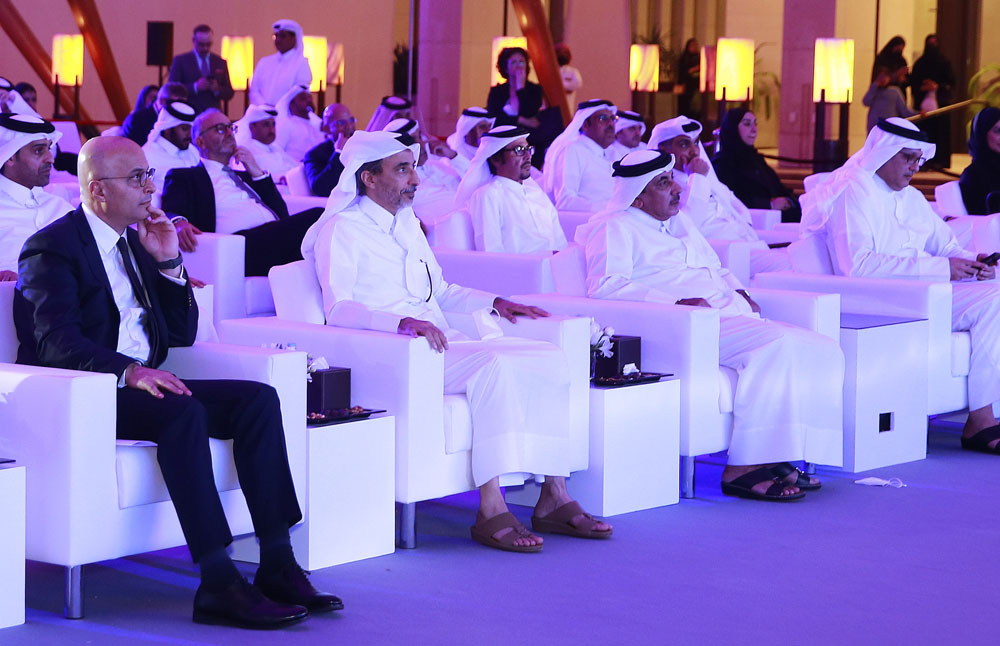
(140, 295)
(243, 186)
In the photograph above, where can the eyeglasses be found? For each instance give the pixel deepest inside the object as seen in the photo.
(136, 179)
(914, 159)
(343, 122)
(223, 128)
(521, 151)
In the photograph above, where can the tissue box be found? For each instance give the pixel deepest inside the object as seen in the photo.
(624, 350)
(329, 389)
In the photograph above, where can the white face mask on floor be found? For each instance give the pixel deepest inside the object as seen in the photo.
(879, 482)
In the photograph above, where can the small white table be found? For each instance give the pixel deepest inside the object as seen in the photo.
(11, 545)
(634, 449)
(885, 390)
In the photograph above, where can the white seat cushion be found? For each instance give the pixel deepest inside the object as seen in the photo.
(457, 424)
(727, 389)
(258, 296)
(961, 353)
(139, 478)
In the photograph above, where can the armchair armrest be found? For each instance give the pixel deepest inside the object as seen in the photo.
(219, 261)
(391, 371)
(816, 312)
(60, 424)
(778, 235)
(735, 256)
(299, 203)
(499, 273)
(764, 219)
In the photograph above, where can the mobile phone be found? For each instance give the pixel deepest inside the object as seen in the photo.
(992, 259)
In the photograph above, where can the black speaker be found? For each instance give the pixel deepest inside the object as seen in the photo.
(159, 43)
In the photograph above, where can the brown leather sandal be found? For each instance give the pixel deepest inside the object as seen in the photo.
(483, 531)
(558, 521)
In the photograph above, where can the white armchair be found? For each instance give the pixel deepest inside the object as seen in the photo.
(499, 273)
(404, 376)
(948, 199)
(219, 261)
(91, 497)
(684, 341)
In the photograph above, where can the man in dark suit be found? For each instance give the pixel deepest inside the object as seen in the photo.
(138, 124)
(205, 75)
(322, 165)
(215, 198)
(95, 295)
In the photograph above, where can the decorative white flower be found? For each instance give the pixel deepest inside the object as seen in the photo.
(595, 332)
(605, 347)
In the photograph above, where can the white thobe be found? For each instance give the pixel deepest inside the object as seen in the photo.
(514, 217)
(617, 150)
(271, 158)
(276, 74)
(784, 409)
(24, 211)
(164, 157)
(376, 268)
(876, 232)
(297, 136)
(581, 176)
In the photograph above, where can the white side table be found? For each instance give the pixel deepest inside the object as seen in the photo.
(885, 390)
(11, 545)
(634, 449)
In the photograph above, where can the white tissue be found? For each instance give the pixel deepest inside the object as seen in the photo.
(629, 369)
(879, 482)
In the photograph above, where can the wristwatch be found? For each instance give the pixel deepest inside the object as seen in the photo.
(171, 264)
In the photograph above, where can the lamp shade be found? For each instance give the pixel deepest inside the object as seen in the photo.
(67, 59)
(315, 49)
(706, 69)
(644, 68)
(734, 69)
(499, 43)
(335, 65)
(833, 70)
(238, 52)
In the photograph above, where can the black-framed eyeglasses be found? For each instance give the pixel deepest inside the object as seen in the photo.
(136, 179)
(521, 151)
(223, 128)
(914, 158)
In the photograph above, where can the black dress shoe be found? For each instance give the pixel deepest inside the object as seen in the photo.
(241, 604)
(291, 585)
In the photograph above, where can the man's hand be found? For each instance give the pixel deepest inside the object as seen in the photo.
(781, 203)
(511, 311)
(693, 302)
(158, 235)
(962, 269)
(989, 272)
(152, 381)
(697, 165)
(203, 84)
(187, 235)
(245, 157)
(753, 304)
(441, 149)
(415, 327)
(195, 282)
(7, 276)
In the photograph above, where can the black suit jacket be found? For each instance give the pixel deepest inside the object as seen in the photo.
(138, 124)
(184, 69)
(189, 192)
(322, 168)
(65, 312)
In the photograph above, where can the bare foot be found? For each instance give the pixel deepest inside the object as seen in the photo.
(555, 495)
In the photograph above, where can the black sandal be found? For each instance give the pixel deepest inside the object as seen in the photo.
(981, 441)
(783, 469)
(742, 487)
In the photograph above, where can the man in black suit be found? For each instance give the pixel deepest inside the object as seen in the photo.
(205, 75)
(138, 124)
(215, 198)
(322, 165)
(95, 295)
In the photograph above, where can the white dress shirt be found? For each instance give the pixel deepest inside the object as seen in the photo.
(164, 156)
(276, 74)
(271, 158)
(376, 269)
(581, 177)
(715, 209)
(235, 210)
(24, 211)
(877, 232)
(633, 256)
(297, 136)
(514, 217)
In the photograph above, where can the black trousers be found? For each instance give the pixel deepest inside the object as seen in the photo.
(246, 412)
(276, 243)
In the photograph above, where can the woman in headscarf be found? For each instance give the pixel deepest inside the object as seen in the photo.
(746, 173)
(982, 176)
(689, 78)
(891, 57)
(930, 83)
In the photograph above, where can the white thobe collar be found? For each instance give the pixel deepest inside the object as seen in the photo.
(509, 184)
(385, 220)
(27, 197)
(169, 148)
(593, 146)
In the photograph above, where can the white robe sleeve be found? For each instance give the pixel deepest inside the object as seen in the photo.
(455, 298)
(943, 241)
(566, 184)
(852, 243)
